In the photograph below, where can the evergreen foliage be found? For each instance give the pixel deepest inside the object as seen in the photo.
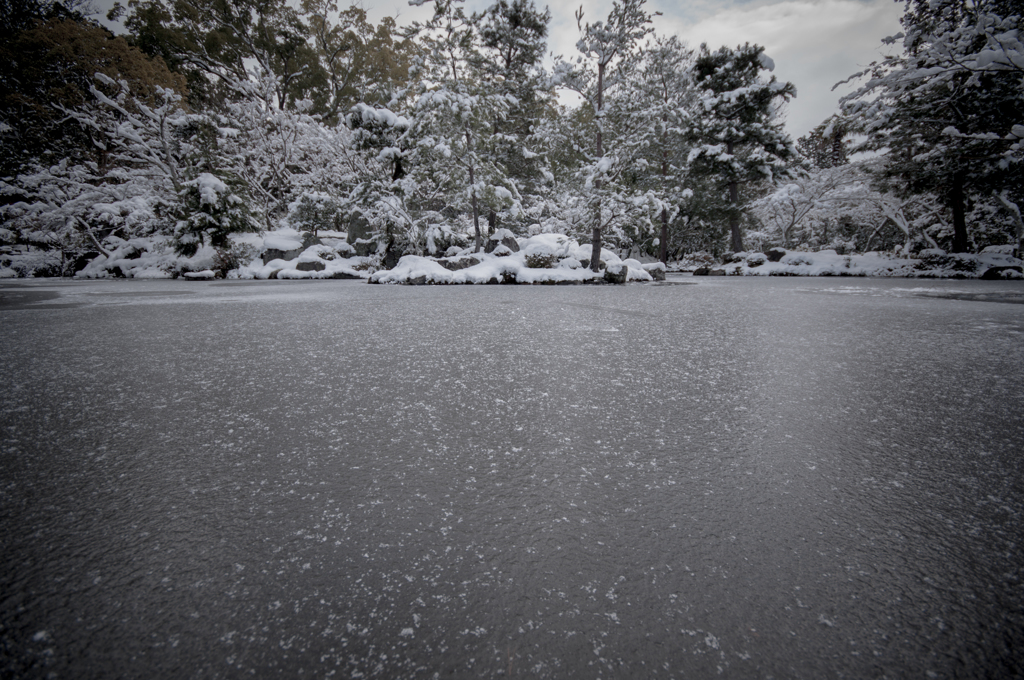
(215, 117)
(739, 138)
(947, 110)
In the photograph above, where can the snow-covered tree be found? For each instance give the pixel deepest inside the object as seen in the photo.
(738, 136)
(221, 46)
(947, 110)
(827, 145)
(512, 43)
(47, 66)
(380, 198)
(316, 211)
(355, 60)
(264, 145)
(604, 63)
(456, 107)
(838, 207)
(652, 114)
(212, 210)
(132, 187)
(790, 212)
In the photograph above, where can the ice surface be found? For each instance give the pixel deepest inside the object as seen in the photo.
(754, 477)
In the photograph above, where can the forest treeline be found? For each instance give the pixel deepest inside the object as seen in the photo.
(212, 117)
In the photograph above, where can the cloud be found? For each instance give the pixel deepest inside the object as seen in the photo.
(814, 43)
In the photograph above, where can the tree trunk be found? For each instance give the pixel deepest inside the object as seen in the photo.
(492, 223)
(734, 210)
(734, 218)
(595, 248)
(476, 211)
(1014, 211)
(959, 220)
(663, 249)
(663, 246)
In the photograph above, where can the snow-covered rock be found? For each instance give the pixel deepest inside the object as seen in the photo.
(931, 263)
(542, 259)
(656, 270)
(502, 238)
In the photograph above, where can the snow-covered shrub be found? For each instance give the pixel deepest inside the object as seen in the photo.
(542, 251)
(570, 263)
(696, 260)
(797, 259)
(541, 260)
(234, 256)
(366, 264)
(315, 211)
(441, 238)
(212, 209)
(616, 272)
(934, 258)
(318, 253)
(23, 261)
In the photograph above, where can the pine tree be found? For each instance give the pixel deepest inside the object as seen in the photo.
(356, 61)
(512, 43)
(604, 63)
(739, 139)
(457, 106)
(948, 109)
(827, 146)
(654, 110)
(223, 46)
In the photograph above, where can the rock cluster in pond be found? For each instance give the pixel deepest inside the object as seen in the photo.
(543, 259)
(539, 259)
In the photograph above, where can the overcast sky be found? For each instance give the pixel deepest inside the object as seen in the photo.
(814, 43)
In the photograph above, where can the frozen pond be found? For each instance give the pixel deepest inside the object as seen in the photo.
(788, 478)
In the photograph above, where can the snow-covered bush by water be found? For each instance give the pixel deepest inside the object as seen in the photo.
(933, 263)
(560, 255)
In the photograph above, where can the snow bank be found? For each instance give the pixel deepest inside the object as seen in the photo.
(933, 263)
(285, 239)
(315, 262)
(145, 258)
(154, 258)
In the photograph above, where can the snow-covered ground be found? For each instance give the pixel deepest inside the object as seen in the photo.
(543, 258)
(154, 258)
(996, 262)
